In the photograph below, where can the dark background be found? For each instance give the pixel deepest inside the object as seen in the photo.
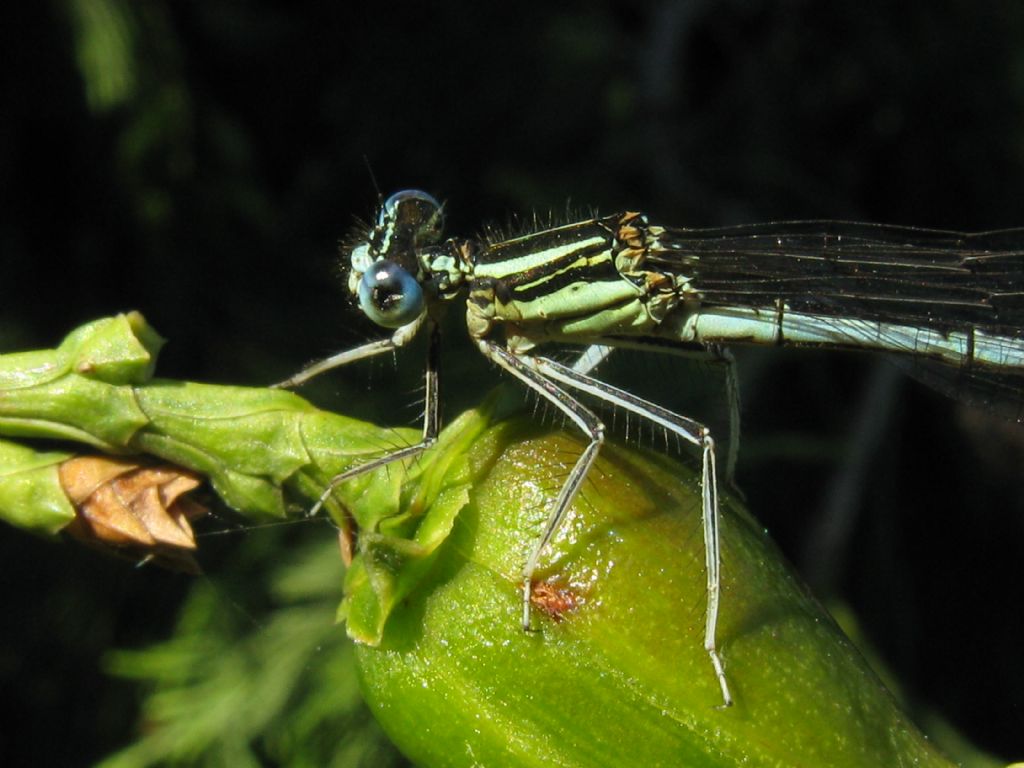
(198, 161)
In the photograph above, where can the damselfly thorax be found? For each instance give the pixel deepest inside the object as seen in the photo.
(952, 303)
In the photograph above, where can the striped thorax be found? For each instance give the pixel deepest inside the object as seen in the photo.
(577, 283)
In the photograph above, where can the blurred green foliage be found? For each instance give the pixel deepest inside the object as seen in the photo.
(226, 693)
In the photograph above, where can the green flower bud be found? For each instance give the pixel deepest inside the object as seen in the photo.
(79, 391)
(615, 673)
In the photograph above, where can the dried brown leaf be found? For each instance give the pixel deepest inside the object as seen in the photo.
(133, 509)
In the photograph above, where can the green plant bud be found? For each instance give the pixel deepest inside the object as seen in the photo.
(614, 673)
(255, 445)
(79, 391)
(31, 496)
(117, 350)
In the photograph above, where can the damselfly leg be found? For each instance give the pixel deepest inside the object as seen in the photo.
(540, 375)
(714, 355)
(431, 405)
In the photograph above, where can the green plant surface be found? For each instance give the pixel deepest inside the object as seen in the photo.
(620, 678)
(30, 494)
(614, 671)
(255, 445)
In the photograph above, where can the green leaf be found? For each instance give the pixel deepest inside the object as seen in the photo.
(397, 545)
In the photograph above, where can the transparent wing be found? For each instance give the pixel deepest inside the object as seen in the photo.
(917, 278)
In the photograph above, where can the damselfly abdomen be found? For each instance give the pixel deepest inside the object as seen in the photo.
(951, 303)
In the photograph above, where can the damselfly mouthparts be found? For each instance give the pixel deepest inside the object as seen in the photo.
(952, 303)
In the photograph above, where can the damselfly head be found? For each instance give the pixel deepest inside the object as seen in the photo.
(386, 270)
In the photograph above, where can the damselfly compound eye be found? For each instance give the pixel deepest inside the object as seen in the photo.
(389, 295)
(414, 214)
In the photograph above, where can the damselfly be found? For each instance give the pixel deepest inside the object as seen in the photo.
(953, 303)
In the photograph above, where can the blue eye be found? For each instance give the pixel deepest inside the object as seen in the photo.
(389, 295)
(414, 215)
